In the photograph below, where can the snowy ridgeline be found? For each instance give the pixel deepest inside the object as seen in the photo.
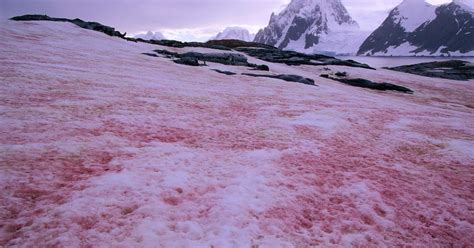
(234, 33)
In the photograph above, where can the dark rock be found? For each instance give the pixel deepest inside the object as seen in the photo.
(187, 61)
(288, 78)
(167, 53)
(341, 74)
(221, 58)
(451, 69)
(229, 73)
(364, 83)
(150, 54)
(260, 67)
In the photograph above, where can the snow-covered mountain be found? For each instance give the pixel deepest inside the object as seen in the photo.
(313, 26)
(234, 33)
(151, 36)
(416, 27)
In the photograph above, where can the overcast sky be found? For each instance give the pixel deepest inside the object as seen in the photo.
(185, 19)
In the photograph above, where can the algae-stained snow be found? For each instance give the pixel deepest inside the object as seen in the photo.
(103, 146)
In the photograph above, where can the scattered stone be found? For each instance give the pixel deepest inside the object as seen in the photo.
(451, 69)
(285, 77)
(364, 83)
(229, 73)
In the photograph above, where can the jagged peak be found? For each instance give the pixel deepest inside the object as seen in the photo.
(332, 10)
(410, 14)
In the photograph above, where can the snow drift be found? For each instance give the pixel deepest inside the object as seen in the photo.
(104, 146)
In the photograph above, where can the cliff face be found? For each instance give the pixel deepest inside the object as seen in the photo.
(308, 26)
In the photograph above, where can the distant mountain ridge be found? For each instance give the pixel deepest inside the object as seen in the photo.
(234, 33)
(416, 27)
(151, 36)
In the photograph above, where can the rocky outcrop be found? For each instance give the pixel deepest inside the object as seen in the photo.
(193, 59)
(221, 58)
(83, 24)
(296, 58)
(452, 69)
(364, 83)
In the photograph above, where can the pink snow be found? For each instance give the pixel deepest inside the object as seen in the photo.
(103, 146)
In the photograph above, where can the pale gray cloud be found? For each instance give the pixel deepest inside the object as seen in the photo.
(184, 19)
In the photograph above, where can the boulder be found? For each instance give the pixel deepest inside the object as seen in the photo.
(285, 77)
(364, 83)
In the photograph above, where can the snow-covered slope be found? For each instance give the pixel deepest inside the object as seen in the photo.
(313, 26)
(103, 146)
(151, 36)
(234, 33)
(416, 27)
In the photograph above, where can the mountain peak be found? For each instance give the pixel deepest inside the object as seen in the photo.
(305, 24)
(413, 13)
